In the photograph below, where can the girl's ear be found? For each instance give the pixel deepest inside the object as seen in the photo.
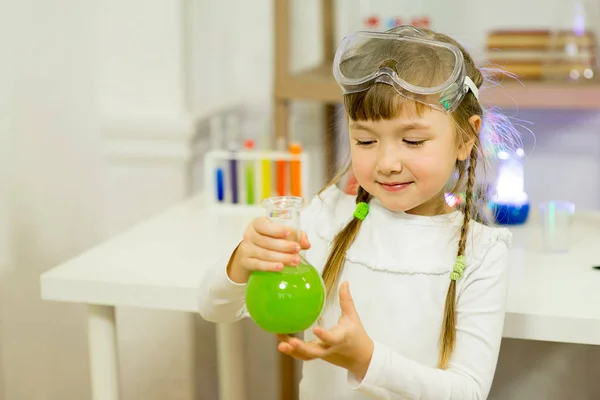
(475, 122)
(465, 149)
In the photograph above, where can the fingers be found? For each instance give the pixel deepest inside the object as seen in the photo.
(346, 302)
(304, 243)
(254, 264)
(268, 246)
(283, 338)
(269, 236)
(252, 261)
(265, 227)
(274, 256)
(270, 243)
(286, 348)
(305, 350)
(330, 338)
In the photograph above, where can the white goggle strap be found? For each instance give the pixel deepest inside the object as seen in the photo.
(469, 83)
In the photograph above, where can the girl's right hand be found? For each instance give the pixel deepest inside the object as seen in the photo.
(266, 247)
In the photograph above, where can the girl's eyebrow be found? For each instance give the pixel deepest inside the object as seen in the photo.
(362, 127)
(413, 125)
(401, 127)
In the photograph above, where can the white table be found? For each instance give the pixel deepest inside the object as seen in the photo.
(555, 297)
(159, 263)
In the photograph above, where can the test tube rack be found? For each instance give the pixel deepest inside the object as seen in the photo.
(256, 177)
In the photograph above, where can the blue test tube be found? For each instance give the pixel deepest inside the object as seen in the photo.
(217, 140)
(233, 136)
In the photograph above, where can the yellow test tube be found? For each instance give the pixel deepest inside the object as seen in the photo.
(265, 167)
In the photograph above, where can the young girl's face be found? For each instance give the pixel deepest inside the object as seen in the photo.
(406, 162)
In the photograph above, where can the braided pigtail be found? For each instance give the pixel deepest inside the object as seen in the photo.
(448, 335)
(343, 240)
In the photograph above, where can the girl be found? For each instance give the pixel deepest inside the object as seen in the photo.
(416, 289)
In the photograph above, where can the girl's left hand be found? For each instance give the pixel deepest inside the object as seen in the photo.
(346, 345)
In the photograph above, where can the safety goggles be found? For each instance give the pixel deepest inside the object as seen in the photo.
(419, 67)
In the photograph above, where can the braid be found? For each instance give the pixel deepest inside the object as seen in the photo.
(362, 195)
(448, 336)
(468, 212)
(340, 245)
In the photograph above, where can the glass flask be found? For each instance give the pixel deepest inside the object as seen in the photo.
(291, 300)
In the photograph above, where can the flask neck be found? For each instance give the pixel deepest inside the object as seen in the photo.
(285, 210)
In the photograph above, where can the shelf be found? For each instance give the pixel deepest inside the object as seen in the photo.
(544, 95)
(318, 84)
(315, 84)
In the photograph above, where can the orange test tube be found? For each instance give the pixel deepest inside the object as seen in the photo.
(295, 170)
(280, 170)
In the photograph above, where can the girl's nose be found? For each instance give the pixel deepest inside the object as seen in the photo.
(389, 162)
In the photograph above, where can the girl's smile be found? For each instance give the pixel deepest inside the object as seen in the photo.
(394, 186)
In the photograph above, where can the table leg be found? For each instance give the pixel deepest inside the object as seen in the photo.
(230, 360)
(104, 361)
(287, 379)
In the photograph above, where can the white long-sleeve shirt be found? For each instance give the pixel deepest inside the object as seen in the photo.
(399, 270)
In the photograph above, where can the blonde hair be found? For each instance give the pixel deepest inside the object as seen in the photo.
(381, 101)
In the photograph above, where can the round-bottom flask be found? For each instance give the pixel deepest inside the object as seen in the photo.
(291, 300)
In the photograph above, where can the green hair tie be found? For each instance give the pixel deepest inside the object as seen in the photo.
(459, 267)
(362, 209)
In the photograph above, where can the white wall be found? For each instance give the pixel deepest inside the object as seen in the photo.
(140, 59)
(55, 193)
(97, 139)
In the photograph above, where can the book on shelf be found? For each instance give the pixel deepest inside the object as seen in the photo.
(537, 39)
(539, 54)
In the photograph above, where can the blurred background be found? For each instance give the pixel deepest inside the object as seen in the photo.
(104, 114)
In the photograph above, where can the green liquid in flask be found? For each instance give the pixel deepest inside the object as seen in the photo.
(286, 302)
